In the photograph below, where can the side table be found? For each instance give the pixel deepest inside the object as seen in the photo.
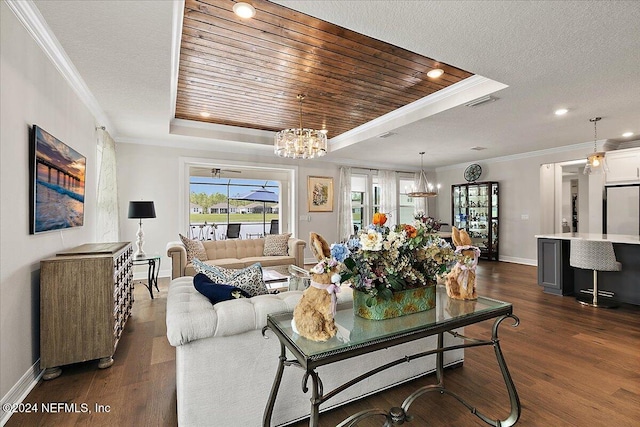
(153, 269)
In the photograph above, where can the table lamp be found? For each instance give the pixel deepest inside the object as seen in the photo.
(141, 210)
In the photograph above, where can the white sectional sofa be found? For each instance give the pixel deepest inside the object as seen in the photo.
(225, 368)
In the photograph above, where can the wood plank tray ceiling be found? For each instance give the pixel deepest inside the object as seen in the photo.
(248, 73)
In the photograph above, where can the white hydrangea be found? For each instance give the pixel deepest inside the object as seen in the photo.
(371, 240)
(397, 238)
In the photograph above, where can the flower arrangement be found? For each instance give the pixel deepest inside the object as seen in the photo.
(381, 260)
(339, 252)
(430, 223)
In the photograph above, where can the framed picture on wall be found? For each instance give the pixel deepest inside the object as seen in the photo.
(320, 193)
(57, 183)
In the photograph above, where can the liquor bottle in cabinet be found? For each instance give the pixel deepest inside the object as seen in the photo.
(474, 207)
(86, 295)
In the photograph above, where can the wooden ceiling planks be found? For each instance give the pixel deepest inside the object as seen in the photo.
(248, 73)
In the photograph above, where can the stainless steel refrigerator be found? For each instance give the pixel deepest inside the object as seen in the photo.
(622, 209)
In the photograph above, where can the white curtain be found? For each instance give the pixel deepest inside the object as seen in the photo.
(345, 214)
(107, 225)
(419, 203)
(389, 195)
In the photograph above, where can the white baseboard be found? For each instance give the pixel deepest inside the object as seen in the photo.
(525, 261)
(20, 390)
(142, 275)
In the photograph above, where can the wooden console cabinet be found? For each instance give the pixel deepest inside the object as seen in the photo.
(86, 295)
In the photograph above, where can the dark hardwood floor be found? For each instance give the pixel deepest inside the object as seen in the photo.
(573, 366)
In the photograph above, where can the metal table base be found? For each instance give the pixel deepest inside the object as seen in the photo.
(152, 272)
(400, 415)
(396, 415)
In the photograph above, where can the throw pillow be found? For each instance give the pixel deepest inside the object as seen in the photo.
(215, 292)
(195, 249)
(276, 244)
(248, 279)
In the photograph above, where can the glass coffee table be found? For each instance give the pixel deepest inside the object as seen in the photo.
(357, 336)
(285, 277)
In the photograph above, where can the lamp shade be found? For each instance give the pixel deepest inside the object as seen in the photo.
(142, 209)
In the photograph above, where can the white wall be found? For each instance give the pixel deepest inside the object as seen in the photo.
(33, 92)
(583, 202)
(150, 172)
(566, 199)
(519, 178)
(153, 173)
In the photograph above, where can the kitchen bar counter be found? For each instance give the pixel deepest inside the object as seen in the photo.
(557, 277)
(614, 238)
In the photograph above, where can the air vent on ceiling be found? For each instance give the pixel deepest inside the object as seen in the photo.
(480, 101)
(386, 135)
(478, 148)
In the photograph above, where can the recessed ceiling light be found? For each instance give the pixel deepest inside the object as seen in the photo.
(627, 134)
(244, 10)
(205, 114)
(561, 112)
(435, 73)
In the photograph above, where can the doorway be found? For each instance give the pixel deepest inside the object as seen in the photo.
(570, 201)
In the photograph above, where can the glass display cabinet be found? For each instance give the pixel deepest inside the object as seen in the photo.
(474, 207)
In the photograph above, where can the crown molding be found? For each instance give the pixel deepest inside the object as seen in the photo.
(396, 167)
(457, 94)
(30, 17)
(220, 132)
(192, 143)
(529, 154)
(176, 38)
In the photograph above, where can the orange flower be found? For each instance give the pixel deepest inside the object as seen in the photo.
(379, 218)
(411, 231)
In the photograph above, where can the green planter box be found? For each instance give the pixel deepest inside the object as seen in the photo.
(403, 302)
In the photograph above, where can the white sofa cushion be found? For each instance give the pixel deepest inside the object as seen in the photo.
(191, 316)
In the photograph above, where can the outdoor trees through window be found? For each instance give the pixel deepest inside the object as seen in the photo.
(216, 202)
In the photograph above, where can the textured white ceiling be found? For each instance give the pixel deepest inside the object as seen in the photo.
(582, 55)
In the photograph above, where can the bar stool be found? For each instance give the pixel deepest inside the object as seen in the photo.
(596, 256)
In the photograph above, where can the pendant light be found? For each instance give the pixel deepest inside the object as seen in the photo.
(595, 161)
(301, 143)
(424, 188)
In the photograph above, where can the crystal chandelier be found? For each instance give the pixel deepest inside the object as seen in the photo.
(595, 161)
(301, 143)
(424, 187)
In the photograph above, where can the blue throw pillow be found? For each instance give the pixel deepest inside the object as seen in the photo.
(249, 279)
(216, 292)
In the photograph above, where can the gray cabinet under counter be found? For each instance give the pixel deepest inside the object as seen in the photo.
(557, 277)
(555, 274)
